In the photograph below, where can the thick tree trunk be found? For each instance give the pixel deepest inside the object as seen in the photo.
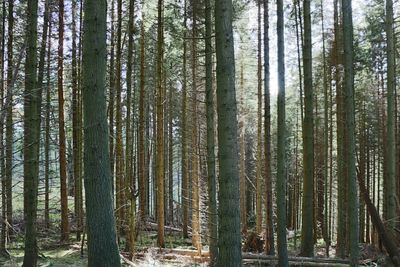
(352, 196)
(229, 241)
(32, 99)
(102, 244)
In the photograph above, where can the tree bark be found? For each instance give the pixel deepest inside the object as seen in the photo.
(102, 244)
(32, 99)
(229, 242)
(281, 170)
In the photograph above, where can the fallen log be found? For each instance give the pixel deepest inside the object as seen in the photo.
(248, 256)
(154, 227)
(387, 240)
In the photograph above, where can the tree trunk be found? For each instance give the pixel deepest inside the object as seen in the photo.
(229, 242)
(185, 175)
(211, 176)
(142, 122)
(75, 130)
(160, 125)
(259, 218)
(47, 136)
(307, 234)
(32, 99)
(102, 244)
(269, 233)
(350, 132)
(130, 183)
(61, 126)
(9, 116)
(390, 191)
(242, 129)
(281, 170)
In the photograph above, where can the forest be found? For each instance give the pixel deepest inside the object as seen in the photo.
(220, 133)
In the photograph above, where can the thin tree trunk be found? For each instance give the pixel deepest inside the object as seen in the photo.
(142, 122)
(259, 218)
(9, 116)
(160, 125)
(119, 158)
(130, 183)
(269, 235)
(47, 136)
(307, 233)
(281, 170)
(61, 126)
(4, 226)
(390, 191)
(242, 129)
(211, 176)
(185, 177)
(76, 128)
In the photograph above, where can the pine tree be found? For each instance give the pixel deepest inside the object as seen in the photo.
(102, 244)
(229, 241)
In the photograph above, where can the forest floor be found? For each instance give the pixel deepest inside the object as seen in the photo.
(178, 252)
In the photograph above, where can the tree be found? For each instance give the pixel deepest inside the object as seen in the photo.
(160, 125)
(196, 241)
(61, 126)
(142, 122)
(281, 168)
(185, 176)
(229, 242)
(76, 128)
(130, 183)
(307, 247)
(9, 116)
(390, 190)
(32, 98)
(259, 128)
(102, 244)
(352, 188)
(269, 235)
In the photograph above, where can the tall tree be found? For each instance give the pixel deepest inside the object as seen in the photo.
(160, 172)
(185, 176)
(352, 187)
(142, 125)
(390, 190)
(281, 167)
(9, 116)
(130, 183)
(307, 247)
(61, 126)
(229, 241)
(196, 241)
(119, 160)
(269, 233)
(32, 99)
(76, 119)
(259, 127)
(102, 244)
